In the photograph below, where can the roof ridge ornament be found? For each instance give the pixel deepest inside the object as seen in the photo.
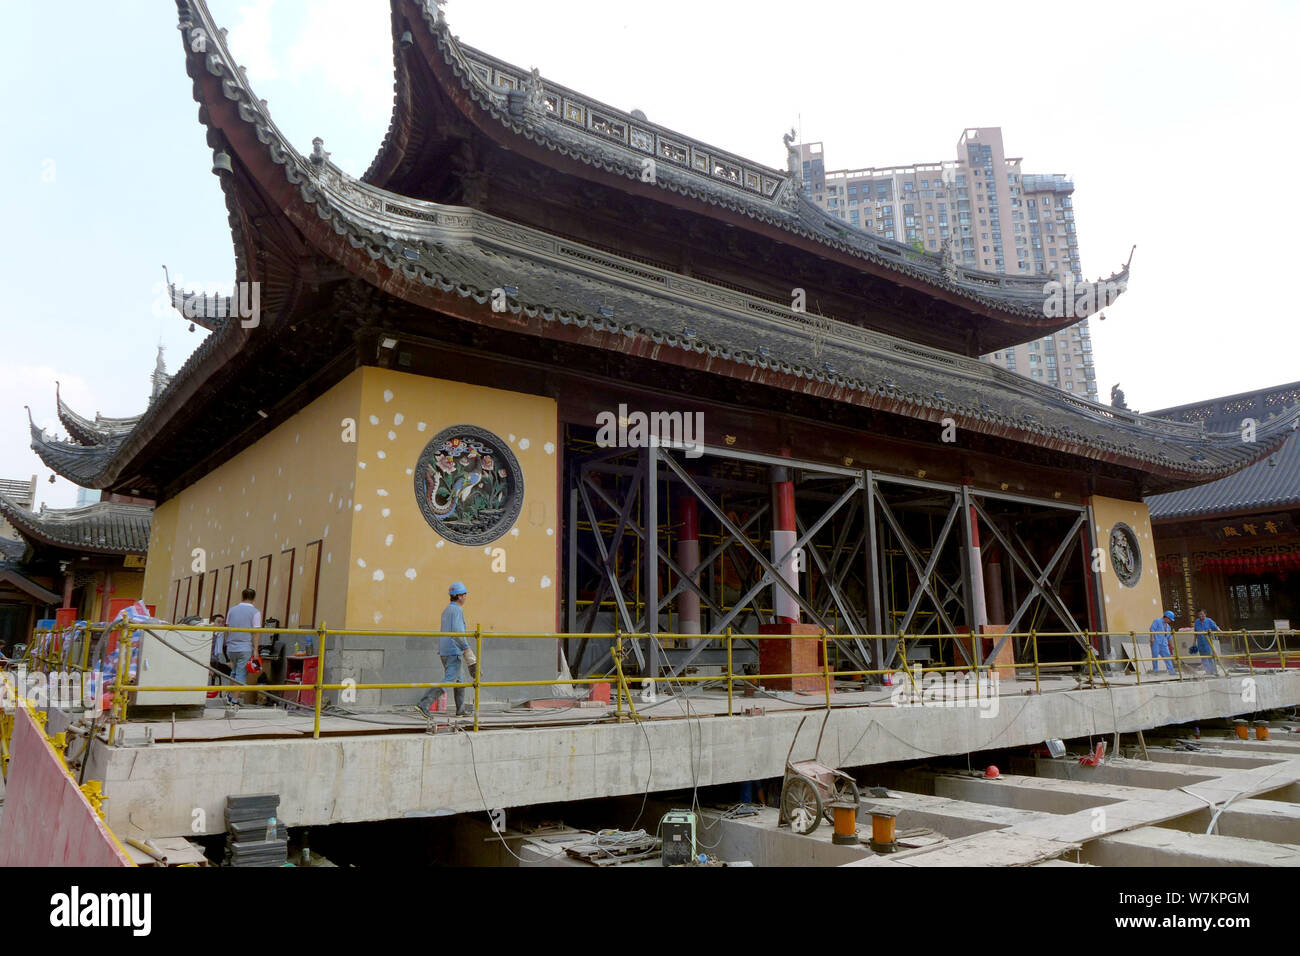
(793, 164)
(950, 259)
(318, 153)
(788, 196)
(534, 95)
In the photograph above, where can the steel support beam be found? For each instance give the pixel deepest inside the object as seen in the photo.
(754, 552)
(652, 556)
(1042, 582)
(923, 571)
(684, 580)
(770, 572)
(606, 557)
(1038, 578)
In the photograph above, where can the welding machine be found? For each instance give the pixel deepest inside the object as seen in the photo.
(678, 831)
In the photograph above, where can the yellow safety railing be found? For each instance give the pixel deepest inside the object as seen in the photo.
(964, 650)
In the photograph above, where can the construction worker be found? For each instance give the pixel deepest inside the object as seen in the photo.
(451, 649)
(1161, 635)
(1204, 625)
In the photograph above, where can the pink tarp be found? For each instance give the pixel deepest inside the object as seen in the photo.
(47, 820)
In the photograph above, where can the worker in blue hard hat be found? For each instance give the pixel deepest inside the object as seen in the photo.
(1204, 626)
(1161, 634)
(451, 648)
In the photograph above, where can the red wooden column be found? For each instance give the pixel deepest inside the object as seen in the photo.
(797, 656)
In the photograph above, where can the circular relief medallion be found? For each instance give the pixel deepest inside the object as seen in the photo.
(1125, 554)
(469, 485)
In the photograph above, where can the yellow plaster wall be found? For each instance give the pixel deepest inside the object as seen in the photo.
(400, 567)
(127, 584)
(158, 571)
(291, 487)
(1127, 609)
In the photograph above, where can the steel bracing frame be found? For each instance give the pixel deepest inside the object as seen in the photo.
(659, 463)
(862, 519)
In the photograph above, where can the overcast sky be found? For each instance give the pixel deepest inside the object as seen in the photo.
(1168, 116)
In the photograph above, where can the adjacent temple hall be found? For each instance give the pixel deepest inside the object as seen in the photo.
(405, 389)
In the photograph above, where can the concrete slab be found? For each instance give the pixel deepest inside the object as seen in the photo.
(953, 818)
(1273, 745)
(1112, 808)
(1211, 758)
(995, 848)
(1288, 794)
(355, 777)
(1059, 863)
(1026, 793)
(760, 841)
(1160, 846)
(1131, 773)
(1269, 820)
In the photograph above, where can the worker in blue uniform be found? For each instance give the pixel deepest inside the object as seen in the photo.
(451, 648)
(1204, 626)
(1161, 635)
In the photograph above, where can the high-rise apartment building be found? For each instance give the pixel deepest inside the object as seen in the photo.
(20, 492)
(999, 219)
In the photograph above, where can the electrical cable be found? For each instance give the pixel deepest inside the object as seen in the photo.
(649, 776)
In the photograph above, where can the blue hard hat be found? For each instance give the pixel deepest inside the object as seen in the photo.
(457, 588)
(1169, 614)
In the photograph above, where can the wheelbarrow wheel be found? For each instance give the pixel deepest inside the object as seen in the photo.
(801, 805)
(845, 790)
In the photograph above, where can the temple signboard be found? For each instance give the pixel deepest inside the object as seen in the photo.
(1255, 526)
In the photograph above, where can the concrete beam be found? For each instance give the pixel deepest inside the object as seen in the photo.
(1269, 820)
(1272, 746)
(1129, 773)
(1210, 758)
(354, 778)
(1160, 846)
(995, 848)
(952, 818)
(1288, 794)
(760, 841)
(1029, 793)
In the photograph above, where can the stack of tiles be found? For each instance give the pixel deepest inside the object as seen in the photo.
(254, 835)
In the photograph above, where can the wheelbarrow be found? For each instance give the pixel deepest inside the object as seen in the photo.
(810, 788)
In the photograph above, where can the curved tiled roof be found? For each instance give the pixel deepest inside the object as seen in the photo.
(92, 432)
(454, 249)
(576, 126)
(83, 465)
(1266, 485)
(1269, 484)
(106, 527)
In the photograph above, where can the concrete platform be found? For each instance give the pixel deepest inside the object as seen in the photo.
(1159, 846)
(1023, 821)
(1269, 820)
(376, 771)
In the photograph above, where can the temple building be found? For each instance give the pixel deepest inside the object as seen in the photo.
(88, 560)
(611, 376)
(1232, 546)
